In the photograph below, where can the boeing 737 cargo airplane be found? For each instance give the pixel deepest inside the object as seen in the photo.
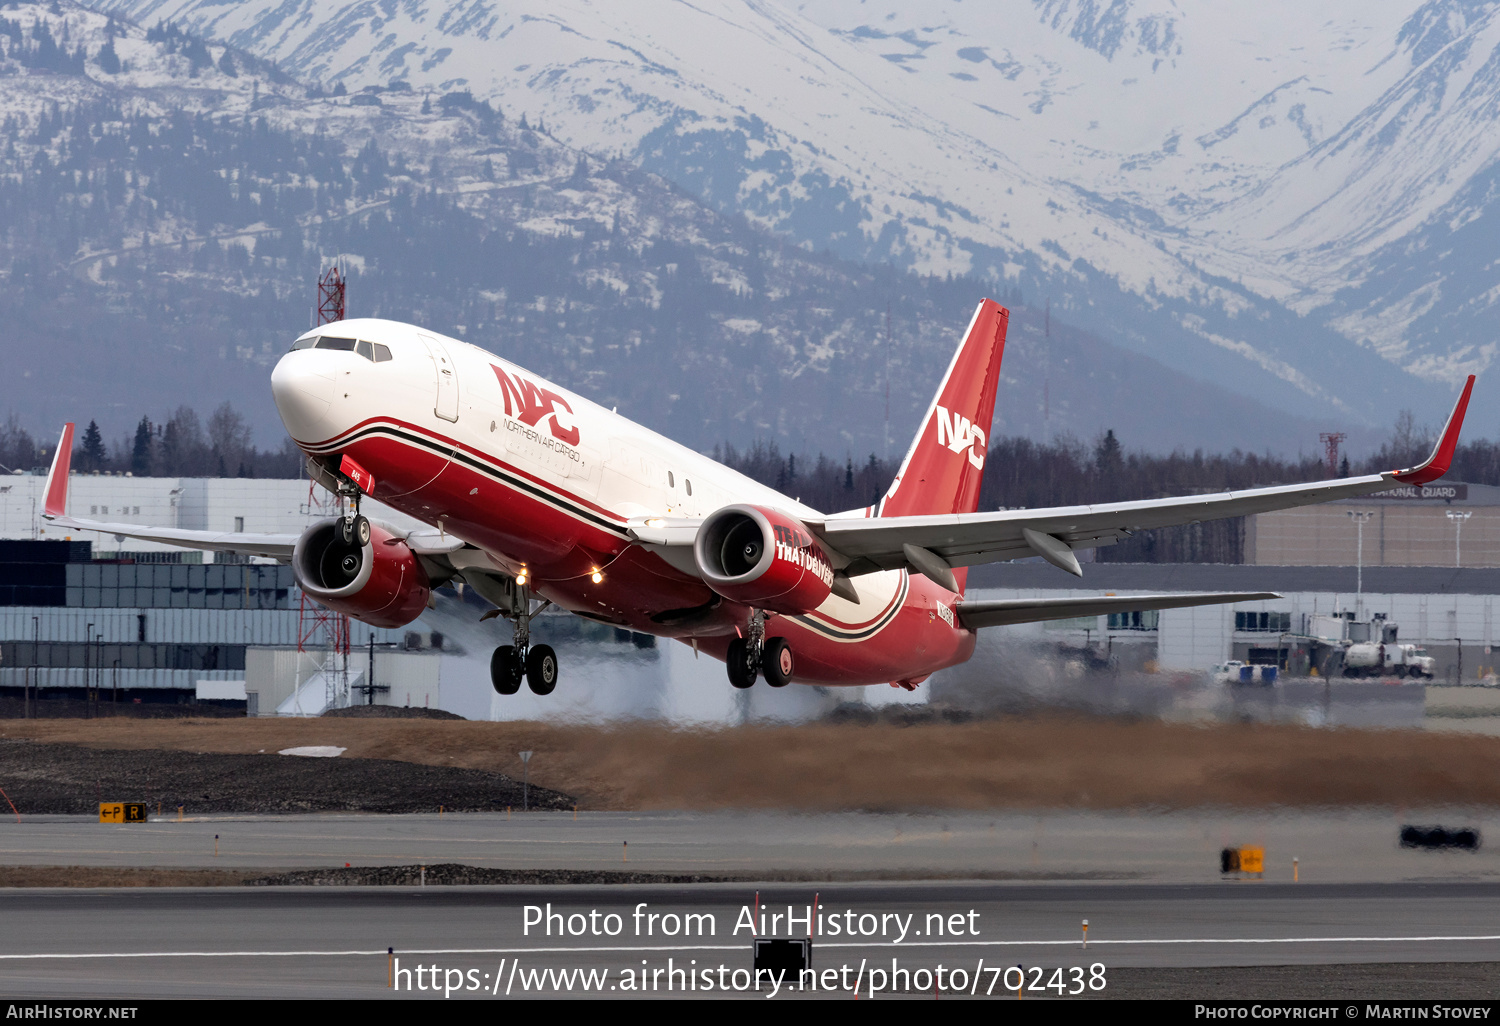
(535, 496)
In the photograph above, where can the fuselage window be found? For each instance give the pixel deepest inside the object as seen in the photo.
(366, 350)
(382, 353)
(689, 485)
(305, 343)
(670, 483)
(342, 344)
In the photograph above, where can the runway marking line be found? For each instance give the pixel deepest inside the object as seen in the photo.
(1139, 941)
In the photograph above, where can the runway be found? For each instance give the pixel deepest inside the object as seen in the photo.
(316, 942)
(1178, 848)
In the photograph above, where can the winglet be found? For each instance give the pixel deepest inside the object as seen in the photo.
(1442, 454)
(57, 478)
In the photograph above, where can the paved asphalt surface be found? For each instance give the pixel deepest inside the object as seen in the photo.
(1367, 919)
(331, 942)
(1184, 847)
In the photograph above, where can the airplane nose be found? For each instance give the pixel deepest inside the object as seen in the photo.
(302, 386)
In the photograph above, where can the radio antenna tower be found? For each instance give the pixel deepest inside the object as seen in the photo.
(331, 288)
(1047, 374)
(887, 452)
(1331, 441)
(322, 634)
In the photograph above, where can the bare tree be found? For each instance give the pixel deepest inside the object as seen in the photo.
(229, 438)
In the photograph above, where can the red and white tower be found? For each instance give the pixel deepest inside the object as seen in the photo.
(323, 635)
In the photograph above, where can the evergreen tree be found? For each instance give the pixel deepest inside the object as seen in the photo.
(140, 455)
(108, 60)
(1108, 460)
(91, 455)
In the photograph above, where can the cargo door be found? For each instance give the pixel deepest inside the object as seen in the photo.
(447, 381)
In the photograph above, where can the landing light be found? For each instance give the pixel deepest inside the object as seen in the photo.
(596, 576)
(521, 577)
(656, 522)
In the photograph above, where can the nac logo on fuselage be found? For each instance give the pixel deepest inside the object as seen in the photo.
(958, 433)
(529, 404)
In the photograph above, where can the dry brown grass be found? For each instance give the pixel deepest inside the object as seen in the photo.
(1046, 762)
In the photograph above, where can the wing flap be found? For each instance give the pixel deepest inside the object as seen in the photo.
(1002, 612)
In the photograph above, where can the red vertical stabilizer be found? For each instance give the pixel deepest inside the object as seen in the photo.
(55, 501)
(943, 468)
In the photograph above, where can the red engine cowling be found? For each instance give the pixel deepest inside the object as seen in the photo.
(380, 584)
(762, 558)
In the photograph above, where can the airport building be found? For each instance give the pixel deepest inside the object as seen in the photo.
(1425, 525)
(1449, 611)
(112, 619)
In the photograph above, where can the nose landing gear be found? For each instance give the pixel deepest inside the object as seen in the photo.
(354, 528)
(536, 663)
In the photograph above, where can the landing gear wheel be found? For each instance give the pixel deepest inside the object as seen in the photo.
(505, 670)
(776, 663)
(362, 531)
(742, 671)
(541, 669)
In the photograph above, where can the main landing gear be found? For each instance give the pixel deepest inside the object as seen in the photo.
(753, 655)
(537, 663)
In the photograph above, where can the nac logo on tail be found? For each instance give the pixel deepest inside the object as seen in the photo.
(958, 433)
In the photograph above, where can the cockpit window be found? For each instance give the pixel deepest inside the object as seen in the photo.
(343, 344)
(382, 353)
(363, 349)
(305, 343)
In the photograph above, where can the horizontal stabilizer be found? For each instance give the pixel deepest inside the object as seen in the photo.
(1000, 612)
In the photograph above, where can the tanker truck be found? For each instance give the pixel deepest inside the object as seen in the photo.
(1368, 659)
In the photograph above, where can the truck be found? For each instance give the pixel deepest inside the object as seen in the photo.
(1236, 672)
(1388, 659)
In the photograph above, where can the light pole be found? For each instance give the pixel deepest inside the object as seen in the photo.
(1458, 516)
(35, 679)
(1359, 516)
(525, 781)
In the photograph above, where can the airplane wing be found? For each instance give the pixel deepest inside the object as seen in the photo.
(276, 546)
(935, 544)
(1002, 612)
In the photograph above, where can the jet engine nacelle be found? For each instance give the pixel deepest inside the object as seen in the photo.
(380, 583)
(763, 558)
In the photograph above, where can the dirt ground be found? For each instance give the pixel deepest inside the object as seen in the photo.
(40, 777)
(1043, 762)
(447, 873)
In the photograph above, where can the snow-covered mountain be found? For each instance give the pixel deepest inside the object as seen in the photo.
(1286, 198)
(165, 206)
